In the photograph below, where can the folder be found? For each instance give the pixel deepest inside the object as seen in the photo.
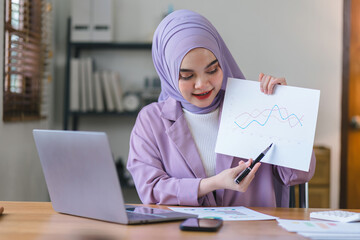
(81, 20)
(102, 21)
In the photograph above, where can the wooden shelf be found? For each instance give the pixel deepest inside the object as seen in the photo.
(112, 45)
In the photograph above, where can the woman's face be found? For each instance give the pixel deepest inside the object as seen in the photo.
(200, 77)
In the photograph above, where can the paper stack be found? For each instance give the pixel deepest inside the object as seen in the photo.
(322, 229)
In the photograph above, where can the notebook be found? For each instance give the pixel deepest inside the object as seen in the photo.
(82, 180)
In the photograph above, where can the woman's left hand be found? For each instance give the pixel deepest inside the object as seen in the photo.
(267, 83)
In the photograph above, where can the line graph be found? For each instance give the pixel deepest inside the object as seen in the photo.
(244, 120)
(251, 120)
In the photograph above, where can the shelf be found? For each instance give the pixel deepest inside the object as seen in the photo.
(104, 113)
(73, 50)
(112, 45)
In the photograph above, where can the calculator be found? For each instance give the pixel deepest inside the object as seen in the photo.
(336, 215)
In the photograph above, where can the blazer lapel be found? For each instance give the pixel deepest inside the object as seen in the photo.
(180, 135)
(222, 162)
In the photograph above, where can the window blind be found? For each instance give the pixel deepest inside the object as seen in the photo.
(26, 53)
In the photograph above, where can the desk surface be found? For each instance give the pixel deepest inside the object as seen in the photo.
(38, 220)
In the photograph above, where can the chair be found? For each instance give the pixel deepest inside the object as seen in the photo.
(303, 196)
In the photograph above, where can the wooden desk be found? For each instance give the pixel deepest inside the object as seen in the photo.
(37, 220)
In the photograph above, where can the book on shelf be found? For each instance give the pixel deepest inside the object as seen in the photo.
(99, 100)
(109, 101)
(83, 87)
(94, 91)
(116, 91)
(89, 83)
(74, 85)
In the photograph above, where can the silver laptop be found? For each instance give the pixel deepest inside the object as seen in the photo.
(82, 180)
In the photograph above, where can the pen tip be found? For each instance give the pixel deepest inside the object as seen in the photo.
(270, 145)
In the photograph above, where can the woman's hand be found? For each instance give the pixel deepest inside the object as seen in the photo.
(228, 176)
(267, 83)
(225, 179)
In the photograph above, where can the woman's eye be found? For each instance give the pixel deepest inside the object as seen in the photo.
(186, 77)
(213, 70)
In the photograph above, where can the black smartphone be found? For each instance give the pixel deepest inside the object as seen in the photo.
(201, 224)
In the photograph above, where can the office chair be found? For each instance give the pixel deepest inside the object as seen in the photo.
(303, 196)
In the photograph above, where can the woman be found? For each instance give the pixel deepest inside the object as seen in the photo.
(171, 157)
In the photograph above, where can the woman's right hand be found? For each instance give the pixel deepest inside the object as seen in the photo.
(225, 179)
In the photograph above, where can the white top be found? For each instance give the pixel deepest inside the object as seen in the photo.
(204, 129)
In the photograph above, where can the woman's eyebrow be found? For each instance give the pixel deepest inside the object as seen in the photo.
(185, 70)
(189, 70)
(213, 62)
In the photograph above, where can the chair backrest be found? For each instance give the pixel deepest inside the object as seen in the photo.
(303, 194)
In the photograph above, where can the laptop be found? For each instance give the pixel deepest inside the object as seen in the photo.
(82, 180)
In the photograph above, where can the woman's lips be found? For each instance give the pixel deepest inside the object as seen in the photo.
(203, 95)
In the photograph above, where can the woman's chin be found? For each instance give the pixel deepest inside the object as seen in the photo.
(203, 103)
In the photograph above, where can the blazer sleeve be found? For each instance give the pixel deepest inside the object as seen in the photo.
(153, 183)
(290, 177)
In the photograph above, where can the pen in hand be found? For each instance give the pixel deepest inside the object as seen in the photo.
(246, 171)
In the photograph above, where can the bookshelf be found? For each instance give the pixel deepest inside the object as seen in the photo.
(73, 50)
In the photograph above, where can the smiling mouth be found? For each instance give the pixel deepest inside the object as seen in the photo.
(203, 95)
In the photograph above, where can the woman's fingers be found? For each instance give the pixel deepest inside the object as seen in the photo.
(248, 179)
(244, 184)
(267, 83)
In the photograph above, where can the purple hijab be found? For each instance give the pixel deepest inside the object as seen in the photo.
(177, 34)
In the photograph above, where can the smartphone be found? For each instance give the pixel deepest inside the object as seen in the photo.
(201, 224)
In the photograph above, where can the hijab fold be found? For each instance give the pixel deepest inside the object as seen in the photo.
(177, 34)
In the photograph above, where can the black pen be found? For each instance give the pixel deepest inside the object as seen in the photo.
(246, 171)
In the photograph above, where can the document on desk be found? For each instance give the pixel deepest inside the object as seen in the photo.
(322, 229)
(252, 120)
(225, 213)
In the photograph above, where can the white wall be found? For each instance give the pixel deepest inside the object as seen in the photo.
(300, 40)
(21, 176)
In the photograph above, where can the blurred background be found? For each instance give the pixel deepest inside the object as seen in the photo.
(110, 42)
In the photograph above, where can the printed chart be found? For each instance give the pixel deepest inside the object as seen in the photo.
(263, 117)
(225, 213)
(251, 120)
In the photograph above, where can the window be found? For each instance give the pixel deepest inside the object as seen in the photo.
(26, 53)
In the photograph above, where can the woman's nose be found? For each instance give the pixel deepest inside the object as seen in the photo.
(201, 82)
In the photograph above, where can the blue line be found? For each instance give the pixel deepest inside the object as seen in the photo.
(268, 118)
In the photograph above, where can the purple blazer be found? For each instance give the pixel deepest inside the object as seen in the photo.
(167, 169)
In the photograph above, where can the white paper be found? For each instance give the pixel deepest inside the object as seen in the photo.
(252, 120)
(225, 213)
(331, 236)
(328, 227)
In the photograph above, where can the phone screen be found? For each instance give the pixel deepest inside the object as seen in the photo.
(196, 224)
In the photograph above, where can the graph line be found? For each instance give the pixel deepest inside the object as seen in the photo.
(268, 117)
